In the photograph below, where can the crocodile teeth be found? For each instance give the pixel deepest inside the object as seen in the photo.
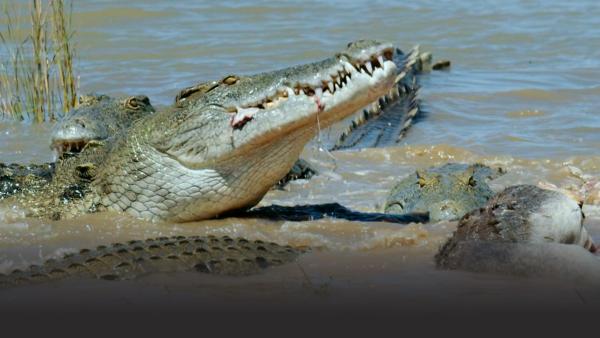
(348, 68)
(369, 67)
(375, 107)
(338, 79)
(319, 92)
(400, 77)
(394, 92)
(364, 68)
(269, 104)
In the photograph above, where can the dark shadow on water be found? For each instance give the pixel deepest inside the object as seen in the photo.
(332, 210)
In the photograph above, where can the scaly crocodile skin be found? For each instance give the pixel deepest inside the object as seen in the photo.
(119, 261)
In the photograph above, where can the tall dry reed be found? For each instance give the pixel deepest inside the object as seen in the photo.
(37, 80)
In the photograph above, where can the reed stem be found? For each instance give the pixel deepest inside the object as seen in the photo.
(37, 79)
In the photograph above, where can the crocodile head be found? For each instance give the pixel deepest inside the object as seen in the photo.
(97, 118)
(228, 147)
(446, 192)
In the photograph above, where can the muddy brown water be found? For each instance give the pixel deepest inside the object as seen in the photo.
(522, 93)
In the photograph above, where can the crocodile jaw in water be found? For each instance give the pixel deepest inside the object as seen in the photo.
(227, 150)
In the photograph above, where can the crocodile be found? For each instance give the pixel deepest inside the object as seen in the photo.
(223, 150)
(446, 192)
(514, 229)
(135, 258)
(96, 119)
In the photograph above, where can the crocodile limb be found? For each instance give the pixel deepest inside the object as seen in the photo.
(121, 261)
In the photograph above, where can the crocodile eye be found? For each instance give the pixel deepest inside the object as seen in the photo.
(137, 102)
(132, 103)
(230, 80)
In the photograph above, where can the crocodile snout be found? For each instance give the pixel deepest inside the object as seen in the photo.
(447, 210)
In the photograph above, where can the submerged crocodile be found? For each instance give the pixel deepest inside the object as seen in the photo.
(446, 192)
(119, 261)
(514, 231)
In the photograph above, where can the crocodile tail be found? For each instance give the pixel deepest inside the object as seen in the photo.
(119, 261)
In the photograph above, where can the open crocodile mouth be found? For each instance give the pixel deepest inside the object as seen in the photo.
(321, 88)
(66, 148)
